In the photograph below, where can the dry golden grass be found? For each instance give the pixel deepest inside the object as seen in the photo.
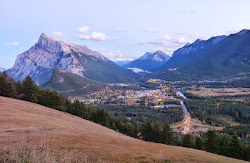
(221, 92)
(33, 133)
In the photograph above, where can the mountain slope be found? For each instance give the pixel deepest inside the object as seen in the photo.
(149, 61)
(72, 84)
(49, 135)
(221, 55)
(47, 54)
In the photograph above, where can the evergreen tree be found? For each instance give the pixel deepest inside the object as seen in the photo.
(6, 88)
(29, 88)
(147, 130)
(156, 137)
(187, 141)
(211, 143)
(167, 135)
(18, 87)
(34, 99)
(134, 128)
(235, 147)
(224, 141)
(247, 152)
(199, 143)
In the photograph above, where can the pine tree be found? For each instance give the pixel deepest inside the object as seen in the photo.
(6, 88)
(29, 88)
(199, 143)
(167, 135)
(187, 141)
(211, 143)
(157, 132)
(134, 128)
(18, 87)
(224, 141)
(147, 130)
(34, 99)
(235, 147)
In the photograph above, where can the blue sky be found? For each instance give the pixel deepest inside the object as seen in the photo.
(119, 30)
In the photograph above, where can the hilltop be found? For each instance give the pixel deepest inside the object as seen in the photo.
(46, 134)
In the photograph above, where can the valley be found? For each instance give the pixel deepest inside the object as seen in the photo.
(125, 81)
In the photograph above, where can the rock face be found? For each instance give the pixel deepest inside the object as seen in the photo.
(48, 54)
(149, 61)
(218, 55)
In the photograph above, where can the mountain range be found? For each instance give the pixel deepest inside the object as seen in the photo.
(149, 61)
(50, 61)
(220, 55)
(48, 54)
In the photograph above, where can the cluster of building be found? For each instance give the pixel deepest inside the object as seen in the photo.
(128, 97)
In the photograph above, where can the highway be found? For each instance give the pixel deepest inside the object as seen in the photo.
(189, 126)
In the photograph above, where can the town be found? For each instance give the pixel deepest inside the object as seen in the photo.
(121, 96)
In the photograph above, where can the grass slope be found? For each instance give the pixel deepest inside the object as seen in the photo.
(35, 133)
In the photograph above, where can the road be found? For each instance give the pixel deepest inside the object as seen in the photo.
(188, 126)
(187, 119)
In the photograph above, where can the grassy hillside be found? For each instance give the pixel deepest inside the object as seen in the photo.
(72, 84)
(34, 133)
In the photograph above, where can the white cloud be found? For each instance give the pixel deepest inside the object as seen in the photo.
(138, 70)
(99, 36)
(93, 36)
(182, 40)
(13, 44)
(167, 44)
(150, 30)
(83, 29)
(117, 56)
(58, 34)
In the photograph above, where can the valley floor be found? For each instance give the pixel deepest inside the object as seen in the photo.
(31, 132)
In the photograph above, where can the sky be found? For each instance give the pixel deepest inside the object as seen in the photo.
(120, 30)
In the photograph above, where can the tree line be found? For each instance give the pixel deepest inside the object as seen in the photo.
(146, 130)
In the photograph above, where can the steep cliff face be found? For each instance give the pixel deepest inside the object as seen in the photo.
(48, 54)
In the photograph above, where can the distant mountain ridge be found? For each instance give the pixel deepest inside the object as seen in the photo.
(149, 61)
(48, 54)
(223, 55)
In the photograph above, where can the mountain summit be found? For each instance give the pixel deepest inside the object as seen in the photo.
(221, 55)
(48, 54)
(149, 61)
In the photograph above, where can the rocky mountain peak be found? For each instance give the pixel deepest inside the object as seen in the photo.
(49, 43)
(48, 54)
